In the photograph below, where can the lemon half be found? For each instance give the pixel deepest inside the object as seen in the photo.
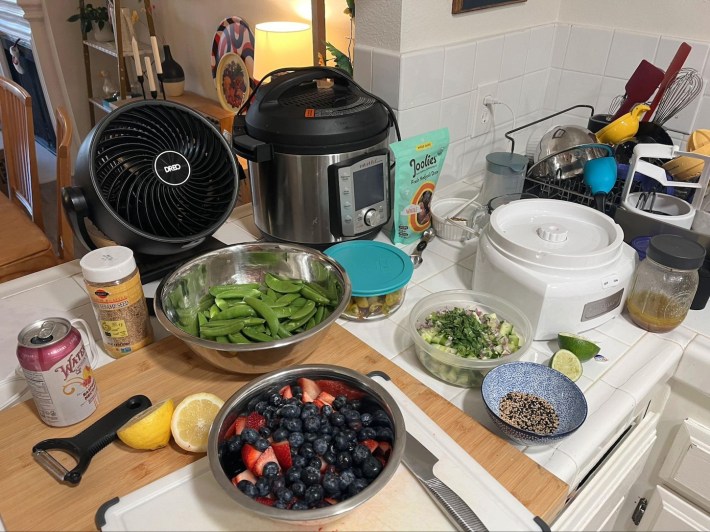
(149, 429)
(192, 420)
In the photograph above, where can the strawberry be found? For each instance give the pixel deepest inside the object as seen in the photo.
(324, 398)
(336, 388)
(282, 450)
(230, 432)
(330, 500)
(267, 456)
(370, 444)
(250, 455)
(383, 449)
(240, 424)
(255, 421)
(244, 475)
(286, 392)
(305, 398)
(309, 387)
(265, 500)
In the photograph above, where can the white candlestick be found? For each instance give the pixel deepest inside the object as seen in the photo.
(156, 54)
(136, 57)
(149, 74)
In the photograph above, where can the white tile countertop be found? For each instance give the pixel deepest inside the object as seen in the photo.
(616, 389)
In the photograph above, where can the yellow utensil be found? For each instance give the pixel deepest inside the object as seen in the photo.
(624, 127)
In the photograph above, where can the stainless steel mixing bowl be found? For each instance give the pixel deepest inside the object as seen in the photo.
(265, 386)
(563, 151)
(178, 296)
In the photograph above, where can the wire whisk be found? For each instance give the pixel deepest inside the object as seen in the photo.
(680, 93)
(616, 103)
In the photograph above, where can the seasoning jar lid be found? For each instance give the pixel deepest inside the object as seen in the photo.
(374, 268)
(676, 252)
(108, 264)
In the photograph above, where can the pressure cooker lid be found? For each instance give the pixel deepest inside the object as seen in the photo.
(293, 110)
(555, 233)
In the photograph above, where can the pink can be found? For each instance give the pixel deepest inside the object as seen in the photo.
(58, 371)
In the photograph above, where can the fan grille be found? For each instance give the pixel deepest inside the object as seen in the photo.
(123, 168)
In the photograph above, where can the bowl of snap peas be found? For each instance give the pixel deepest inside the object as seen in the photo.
(253, 307)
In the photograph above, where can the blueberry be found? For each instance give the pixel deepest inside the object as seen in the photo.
(326, 410)
(360, 454)
(356, 486)
(329, 457)
(344, 460)
(298, 488)
(247, 488)
(350, 434)
(296, 439)
(281, 505)
(311, 424)
(320, 446)
(275, 399)
(355, 404)
(371, 467)
(347, 477)
(351, 415)
(331, 483)
(280, 434)
(234, 445)
(249, 436)
(313, 494)
(284, 495)
(261, 407)
(315, 463)
(292, 424)
(271, 469)
(293, 474)
(339, 402)
(261, 444)
(289, 411)
(310, 436)
(298, 460)
(341, 442)
(264, 432)
(355, 425)
(325, 427)
(308, 410)
(274, 423)
(366, 419)
(385, 434)
(310, 476)
(367, 433)
(278, 483)
(381, 418)
(263, 486)
(337, 419)
(300, 505)
(307, 451)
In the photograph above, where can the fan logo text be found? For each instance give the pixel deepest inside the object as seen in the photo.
(171, 168)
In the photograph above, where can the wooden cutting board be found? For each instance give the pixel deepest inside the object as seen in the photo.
(33, 500)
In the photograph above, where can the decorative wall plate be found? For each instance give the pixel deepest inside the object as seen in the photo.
(233, 82)
(233, 35)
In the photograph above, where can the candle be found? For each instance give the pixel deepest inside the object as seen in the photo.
(136, 56)
(149, 74)
(156, 55)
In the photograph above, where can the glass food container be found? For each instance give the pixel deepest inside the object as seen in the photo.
(378, 273)
(665, 283)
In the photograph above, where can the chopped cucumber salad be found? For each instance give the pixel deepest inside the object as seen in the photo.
(469, 333)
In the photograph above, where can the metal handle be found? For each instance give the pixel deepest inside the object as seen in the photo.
(512, 140)
(458, 511)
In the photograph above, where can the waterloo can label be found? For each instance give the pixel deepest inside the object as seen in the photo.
(58, 372)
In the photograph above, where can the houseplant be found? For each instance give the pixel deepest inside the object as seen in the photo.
(344, 61)
(95, 18)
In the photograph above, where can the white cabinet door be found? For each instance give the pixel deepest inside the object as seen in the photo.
(667, 511)
(598, 503)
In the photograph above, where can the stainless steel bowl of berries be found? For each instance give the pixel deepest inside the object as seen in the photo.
(306, 444)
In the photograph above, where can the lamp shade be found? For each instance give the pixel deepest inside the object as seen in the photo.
(281, 44)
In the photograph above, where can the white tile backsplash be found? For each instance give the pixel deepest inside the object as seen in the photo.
(454, 115)
(362, 57)
(668, 47)
(420, 78)
(559, 50)
(419, 119)
(576, 88)
(515, 53)
(459, 62)
(509, 94)
(542, 40)
(532, 93)
(588, 49)
(610, 89)
(386, 76)
(489, 56)
(627, 51)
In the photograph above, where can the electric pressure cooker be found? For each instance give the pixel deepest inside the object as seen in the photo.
(319, 162)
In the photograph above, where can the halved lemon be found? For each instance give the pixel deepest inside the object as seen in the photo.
(584, 348)
(149, 429)
(567, 363)
(192, 420)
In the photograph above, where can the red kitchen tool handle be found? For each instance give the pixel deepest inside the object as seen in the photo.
(676, 64)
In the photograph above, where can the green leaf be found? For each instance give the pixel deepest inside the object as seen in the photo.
(351, 8)
(342, 61)
(74, 18)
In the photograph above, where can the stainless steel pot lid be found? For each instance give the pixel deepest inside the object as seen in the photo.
(555, 234)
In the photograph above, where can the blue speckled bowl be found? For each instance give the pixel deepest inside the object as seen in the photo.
(549, 384)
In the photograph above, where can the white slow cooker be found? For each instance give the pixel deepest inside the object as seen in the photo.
(565, 265)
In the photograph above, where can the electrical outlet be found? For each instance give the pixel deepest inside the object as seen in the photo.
(482, 118)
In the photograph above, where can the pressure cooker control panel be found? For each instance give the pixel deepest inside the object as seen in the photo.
(359, 194)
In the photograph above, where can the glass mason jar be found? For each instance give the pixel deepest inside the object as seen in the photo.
(665, 283)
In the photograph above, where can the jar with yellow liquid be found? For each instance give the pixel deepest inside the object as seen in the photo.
(665, 283)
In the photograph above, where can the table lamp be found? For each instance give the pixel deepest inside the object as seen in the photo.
(281, 44)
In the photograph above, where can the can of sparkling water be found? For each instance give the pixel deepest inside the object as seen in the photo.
(58, 371)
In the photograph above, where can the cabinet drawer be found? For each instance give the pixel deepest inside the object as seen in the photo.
(667, 511)
(686, 468)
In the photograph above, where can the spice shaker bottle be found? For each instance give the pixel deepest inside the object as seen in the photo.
(665, 283)
(114, 285)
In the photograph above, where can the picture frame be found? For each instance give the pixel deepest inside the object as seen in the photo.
(463, 6)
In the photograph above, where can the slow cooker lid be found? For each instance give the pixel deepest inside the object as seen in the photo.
(555, 233)
(292, 110)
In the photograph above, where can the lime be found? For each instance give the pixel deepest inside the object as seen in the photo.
(582, 347)
(149, 429)
(567, 363)
(192, 420)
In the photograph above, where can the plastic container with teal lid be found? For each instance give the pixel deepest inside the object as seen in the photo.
(379, 274)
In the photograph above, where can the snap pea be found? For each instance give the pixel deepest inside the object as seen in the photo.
(270, 296)
(214, 310)
(240, 293)
(318, 288)
(292, 325)
(283, 312)
(266, 312)
(201, 319)
(255, 334)
(222, 340)
(313, 295)
(304, 310)
(279, 285)
(206, 302)
(298, 302)
(310, 324)
(222, 330)
(318, 316)
(238, 338)
(246, 321)
(283, 333)
(215, 290)
(286, 300)
(242, 310)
